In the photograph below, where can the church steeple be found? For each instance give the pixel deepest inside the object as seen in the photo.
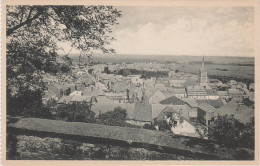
(203, 74)
(202, 66)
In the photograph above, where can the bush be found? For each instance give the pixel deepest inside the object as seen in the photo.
(231, 132)
(76, 112)
(163, 125)
(148, 126)
(116, 117)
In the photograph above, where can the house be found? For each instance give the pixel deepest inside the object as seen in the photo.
(58, 89)
(49, 96)
(136, 80)
(193, 108)
(180, 93)
(215, 103)
(206, 113)
(64, 100)
(240, 112)
(100, 86)
(143, 114)
(116, 97)
(212, 94)
(156, 97)
(177, 83)
(103, 99)
(192, 81)
(179, 121)
(137, 114)
(90, 91)
(223, 95)
(172, 101)
(251, 87)
(88, 99)
(236, 94)
(232, 82)
(76, 93)
(196, 92)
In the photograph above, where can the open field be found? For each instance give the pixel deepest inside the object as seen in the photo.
(228, 70)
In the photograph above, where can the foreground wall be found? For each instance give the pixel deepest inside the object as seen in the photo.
(37, 139)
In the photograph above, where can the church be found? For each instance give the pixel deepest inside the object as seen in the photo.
(204, 76)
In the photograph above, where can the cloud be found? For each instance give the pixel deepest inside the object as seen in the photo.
(187, 35)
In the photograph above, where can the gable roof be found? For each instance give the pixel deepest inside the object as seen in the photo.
(196, 89)
(240, 112)
(81, 98)
(103, 99)
(182, 112)
(206, 107)
(223, 93)
(172, 101)
(212, 92)
(143, 112)
(215, 103)
(179, 91)
(64, 99)
(156, 109)
(191, 102)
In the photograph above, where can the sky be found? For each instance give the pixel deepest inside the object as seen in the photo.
(224, 31)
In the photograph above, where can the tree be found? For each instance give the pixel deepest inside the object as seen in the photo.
(231, 132)
(148, 126)
(76, 112)
(162, 124)
(33, 37)
(117, 117)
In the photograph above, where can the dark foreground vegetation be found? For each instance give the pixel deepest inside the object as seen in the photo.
(31, 138)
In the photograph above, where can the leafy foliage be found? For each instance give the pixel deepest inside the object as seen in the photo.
(116, 117)
(231, 132)
(33, 37)
(148, 126)
(76, 112)
(162, 124)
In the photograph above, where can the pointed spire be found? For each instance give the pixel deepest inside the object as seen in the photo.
(202, 67)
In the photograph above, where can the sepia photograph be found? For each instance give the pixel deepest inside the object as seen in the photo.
(130, 82)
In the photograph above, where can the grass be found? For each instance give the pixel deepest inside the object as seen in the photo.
(130, 135)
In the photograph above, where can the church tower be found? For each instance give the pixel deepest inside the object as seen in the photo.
(203, 75)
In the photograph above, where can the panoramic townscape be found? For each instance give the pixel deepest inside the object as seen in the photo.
(78, 104)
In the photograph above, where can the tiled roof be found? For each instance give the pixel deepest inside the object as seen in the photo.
(240, 112)
(103, 99)
(81, 98)
(223, 93)
(212, 92)
(143, 112)
(206, 107)
(196, 89)
(179, 91)
(235, 91)
(64, 99)
(215, 103)
(156, 109)
(172, 101)
(191, 102)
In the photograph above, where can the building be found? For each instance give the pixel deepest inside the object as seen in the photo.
(196, 92)
(236, 94)
(212, 94)
(240, 112)
(203, 75)
(223, 95)
(206, 113)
